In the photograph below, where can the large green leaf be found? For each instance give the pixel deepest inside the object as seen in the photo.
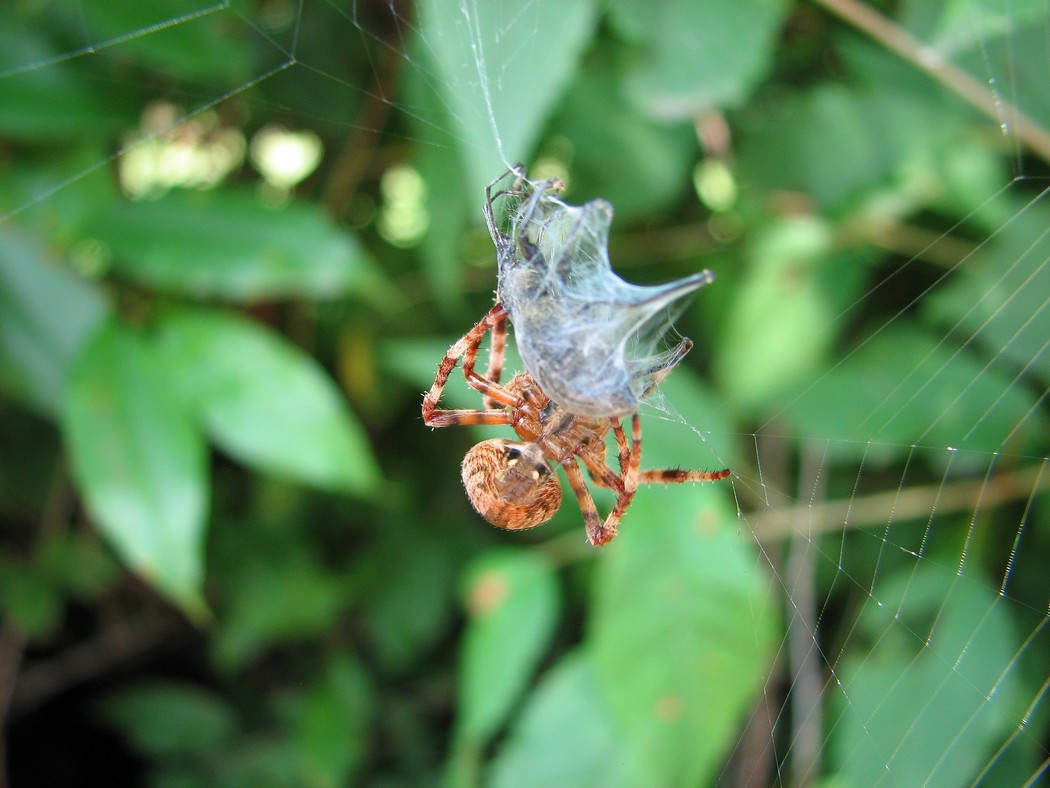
(697, 56)
(266, 402)
(140, 461)
(46, 314)
(566, 736)
(227, 244)
(513, 601)
(407, 596)
(503, 66)
(681, 632)
(451, 204)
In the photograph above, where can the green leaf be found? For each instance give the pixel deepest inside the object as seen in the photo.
(970, 24)
(503, 66)
(266, 402)
(451, 205)
(697, 56)
(332, 731)
(653, 160)
(681, 632)
(171, 718)
(226, 244)
(512, 598)
(139, 461)
(942, 648)
(179, 38)
(796, 145)
(565, 736)
(45, 95)
(46, 314)
(779, 324)
(407, 595)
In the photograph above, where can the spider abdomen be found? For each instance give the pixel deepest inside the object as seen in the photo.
(510, 484)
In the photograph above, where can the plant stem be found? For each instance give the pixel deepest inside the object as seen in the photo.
(928, 60)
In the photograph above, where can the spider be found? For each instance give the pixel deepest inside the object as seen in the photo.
(511, 483)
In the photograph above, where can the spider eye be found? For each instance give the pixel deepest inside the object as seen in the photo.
(513, 454)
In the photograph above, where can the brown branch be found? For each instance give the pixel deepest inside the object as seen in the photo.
(910, 241)
(933, 64)
(804, 659)
(351, 165)
(11, 643)
(118, 644)
(907, 503)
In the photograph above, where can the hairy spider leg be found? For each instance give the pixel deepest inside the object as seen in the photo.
(676, 476)
(630, 478)
(467, 349)
(497, 350)
(591, 521)
(624, 485)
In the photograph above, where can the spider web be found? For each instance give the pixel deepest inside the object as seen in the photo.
(901, 527)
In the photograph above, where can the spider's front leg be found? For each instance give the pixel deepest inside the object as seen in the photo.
(467, 349)
(496, 354)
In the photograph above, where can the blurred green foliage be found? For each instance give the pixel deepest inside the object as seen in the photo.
(210, 441)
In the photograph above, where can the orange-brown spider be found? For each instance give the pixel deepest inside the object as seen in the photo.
(511, 483)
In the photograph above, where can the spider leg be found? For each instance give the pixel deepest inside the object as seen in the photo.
(629, 469)
(467, 349)
(596, 532)
(622, 446)
(599, 532)
(600, 472)
(676, 476)
(496, 354)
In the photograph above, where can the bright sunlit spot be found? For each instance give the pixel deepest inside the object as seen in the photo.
(715, 185)
(196, 153)
(403, 217)
(284, 158)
